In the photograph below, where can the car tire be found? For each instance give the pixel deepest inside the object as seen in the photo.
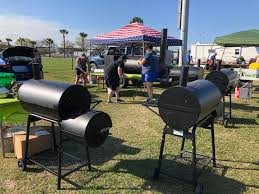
(93, 66)
(135, 82)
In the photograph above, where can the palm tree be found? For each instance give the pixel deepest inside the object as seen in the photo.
(8, 40)
(83, 36)
(137, 19)
(49, 43)
(64, 32)
(33, 43)
(20, 41)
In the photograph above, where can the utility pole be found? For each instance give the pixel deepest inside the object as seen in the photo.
(183, 16)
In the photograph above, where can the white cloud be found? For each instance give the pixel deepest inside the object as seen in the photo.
(15, 26)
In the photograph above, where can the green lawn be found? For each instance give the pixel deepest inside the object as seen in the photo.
(125, 163)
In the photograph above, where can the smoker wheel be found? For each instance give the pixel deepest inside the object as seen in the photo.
(156, 174)
(199, 188)
(225, 123)
(21, 165)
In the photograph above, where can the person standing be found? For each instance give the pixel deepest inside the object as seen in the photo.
(149, 71)
(82, 68)
(188, 57)
(113, 75)
(213, 62)
(37, 59)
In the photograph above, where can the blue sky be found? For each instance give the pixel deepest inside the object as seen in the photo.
(43, 18)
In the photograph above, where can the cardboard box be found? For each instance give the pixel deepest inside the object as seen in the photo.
(38, 141)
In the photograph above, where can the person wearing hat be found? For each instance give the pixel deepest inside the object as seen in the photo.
(82, 69)
(113, 75)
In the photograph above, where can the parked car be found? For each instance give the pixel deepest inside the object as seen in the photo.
(18, 60)
(134, 53)
(97, 61)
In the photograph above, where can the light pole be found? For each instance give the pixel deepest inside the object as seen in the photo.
(183, 14)
(183, 30)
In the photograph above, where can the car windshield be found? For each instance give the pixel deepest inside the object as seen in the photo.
(113, 51)
(20, 59)
(22, 68)
(104, 53)
(138, 51)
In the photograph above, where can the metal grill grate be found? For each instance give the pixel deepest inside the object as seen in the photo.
(181, 167)
(49, 160)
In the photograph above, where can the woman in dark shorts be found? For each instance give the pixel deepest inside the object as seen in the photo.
(81, 69)
(113, 74)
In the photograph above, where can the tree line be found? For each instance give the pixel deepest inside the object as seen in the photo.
(81, 40)
(49, 42)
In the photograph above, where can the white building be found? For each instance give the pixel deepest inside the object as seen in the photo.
(227, 54)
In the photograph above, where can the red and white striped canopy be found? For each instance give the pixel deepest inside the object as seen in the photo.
(134, 32)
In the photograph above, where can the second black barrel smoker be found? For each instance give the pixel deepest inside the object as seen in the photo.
(68, 107)
(225, 80)
(183, 108)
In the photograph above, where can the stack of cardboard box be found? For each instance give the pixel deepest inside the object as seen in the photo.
(39, 140)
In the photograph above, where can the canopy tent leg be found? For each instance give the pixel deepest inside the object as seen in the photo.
(90, 49)
(223, 53)
(72, 58)
(143, 44)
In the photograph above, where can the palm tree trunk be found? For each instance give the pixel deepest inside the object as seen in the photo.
(64, 39)
(49, 51)
(83, 45)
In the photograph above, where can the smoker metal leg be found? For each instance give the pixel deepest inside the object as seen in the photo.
(182, 147)
(27, 138)
(213, 144)
(157, 170)
(135, 92)
(194, 162)
(88, 158)
(60, 150)
(230, 106)
(53, 135)
(2, 138)
(223, 113)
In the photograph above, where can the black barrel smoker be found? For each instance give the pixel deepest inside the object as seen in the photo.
(68, 107)
(196, 105)
(194, 73)
(225, 80)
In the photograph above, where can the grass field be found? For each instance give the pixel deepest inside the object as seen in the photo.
(125, 163)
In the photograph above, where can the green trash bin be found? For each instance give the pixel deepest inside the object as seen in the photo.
(6, 79)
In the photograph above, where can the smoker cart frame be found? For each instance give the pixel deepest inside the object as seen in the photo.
(208, 123)
(226, 116)
(47, 159)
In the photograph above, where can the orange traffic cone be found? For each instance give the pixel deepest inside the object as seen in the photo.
(237, 93)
